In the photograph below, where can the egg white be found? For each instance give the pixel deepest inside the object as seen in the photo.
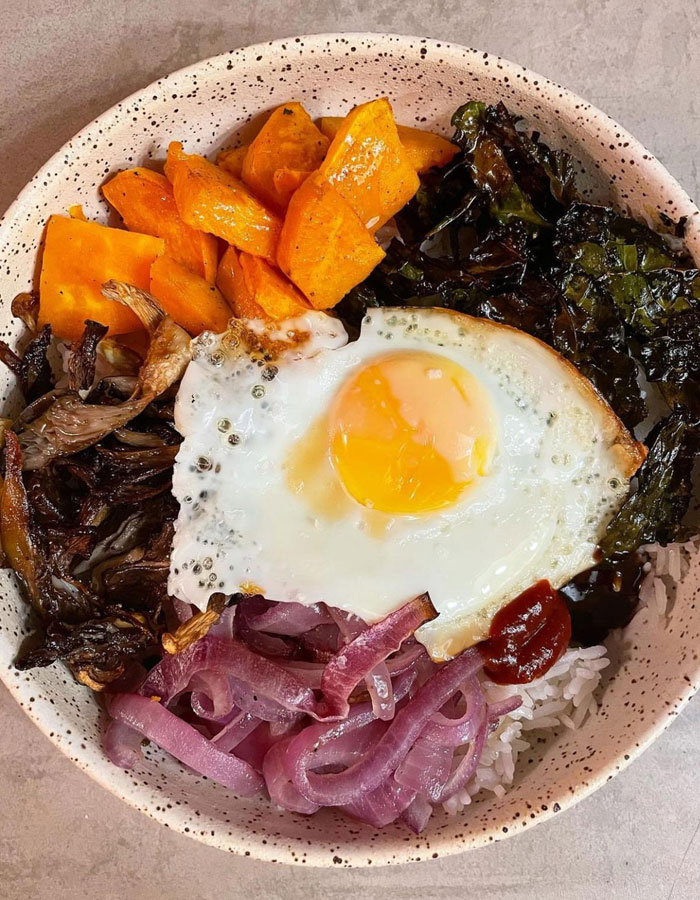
(561, 468)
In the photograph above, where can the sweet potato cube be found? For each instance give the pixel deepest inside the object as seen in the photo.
(255, 289)
(324, 248)
(232, 160)
(271, 290)
(424, 149)
(230, 280)
(288, 140)
(78, 258)
(145, 201)
(287, 181)
(210, 199)
(368, 166)
(190, 300)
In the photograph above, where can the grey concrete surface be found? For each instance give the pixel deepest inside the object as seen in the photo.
(63, 62)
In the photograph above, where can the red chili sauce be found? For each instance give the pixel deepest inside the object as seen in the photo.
(527, 636)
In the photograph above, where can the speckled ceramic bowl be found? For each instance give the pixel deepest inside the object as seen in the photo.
(209, 105)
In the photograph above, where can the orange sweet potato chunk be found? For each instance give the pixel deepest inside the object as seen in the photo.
(424, 149)
(145, 201)
(288, 140)
(324, 247)
(272, 290)
(232, 160)
(230, 280)
(256, 289)
(368, 166)
(286, 181)
(210, 199)
(190, 300)
(78, 258)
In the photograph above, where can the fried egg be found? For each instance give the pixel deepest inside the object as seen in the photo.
(437, 452)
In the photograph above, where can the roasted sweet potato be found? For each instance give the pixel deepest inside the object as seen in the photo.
(210, 199)
(255, 289)
(368, 166)
(145, 201)
(78, 258)
(324, 248)
(287, 140)
(231, 282)
(272, 290)
(423, 148)
(286, 181)
(232, 160)
(190, 300)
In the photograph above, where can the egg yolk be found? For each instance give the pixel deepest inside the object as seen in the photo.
(410, 431)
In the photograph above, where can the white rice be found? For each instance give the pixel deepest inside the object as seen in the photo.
(562, 697)
(566, 695)
(667, 566)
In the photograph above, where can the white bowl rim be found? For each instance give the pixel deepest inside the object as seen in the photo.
(253, 845)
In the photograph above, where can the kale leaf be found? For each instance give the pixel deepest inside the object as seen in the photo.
(649, 300)
(672, 358)
(653, 513)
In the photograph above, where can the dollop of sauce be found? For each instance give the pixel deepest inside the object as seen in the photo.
(527, 636)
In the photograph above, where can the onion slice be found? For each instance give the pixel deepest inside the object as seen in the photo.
(416, 815)
(502, 707)
(247, 611)
(235, 731)
(381, 806)
(289, 619)
(185, 743)
(378, 681)
(426, 768)
(122, 745)
(173, 673)
(461, 730)
(279, 785)
(247, 697)
(357, 659)
(342, 788)
(468, 763)
(211, 697)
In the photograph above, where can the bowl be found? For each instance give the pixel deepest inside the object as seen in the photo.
(212, 104)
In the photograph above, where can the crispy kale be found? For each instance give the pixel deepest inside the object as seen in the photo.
(671, 358)
(656, 509)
